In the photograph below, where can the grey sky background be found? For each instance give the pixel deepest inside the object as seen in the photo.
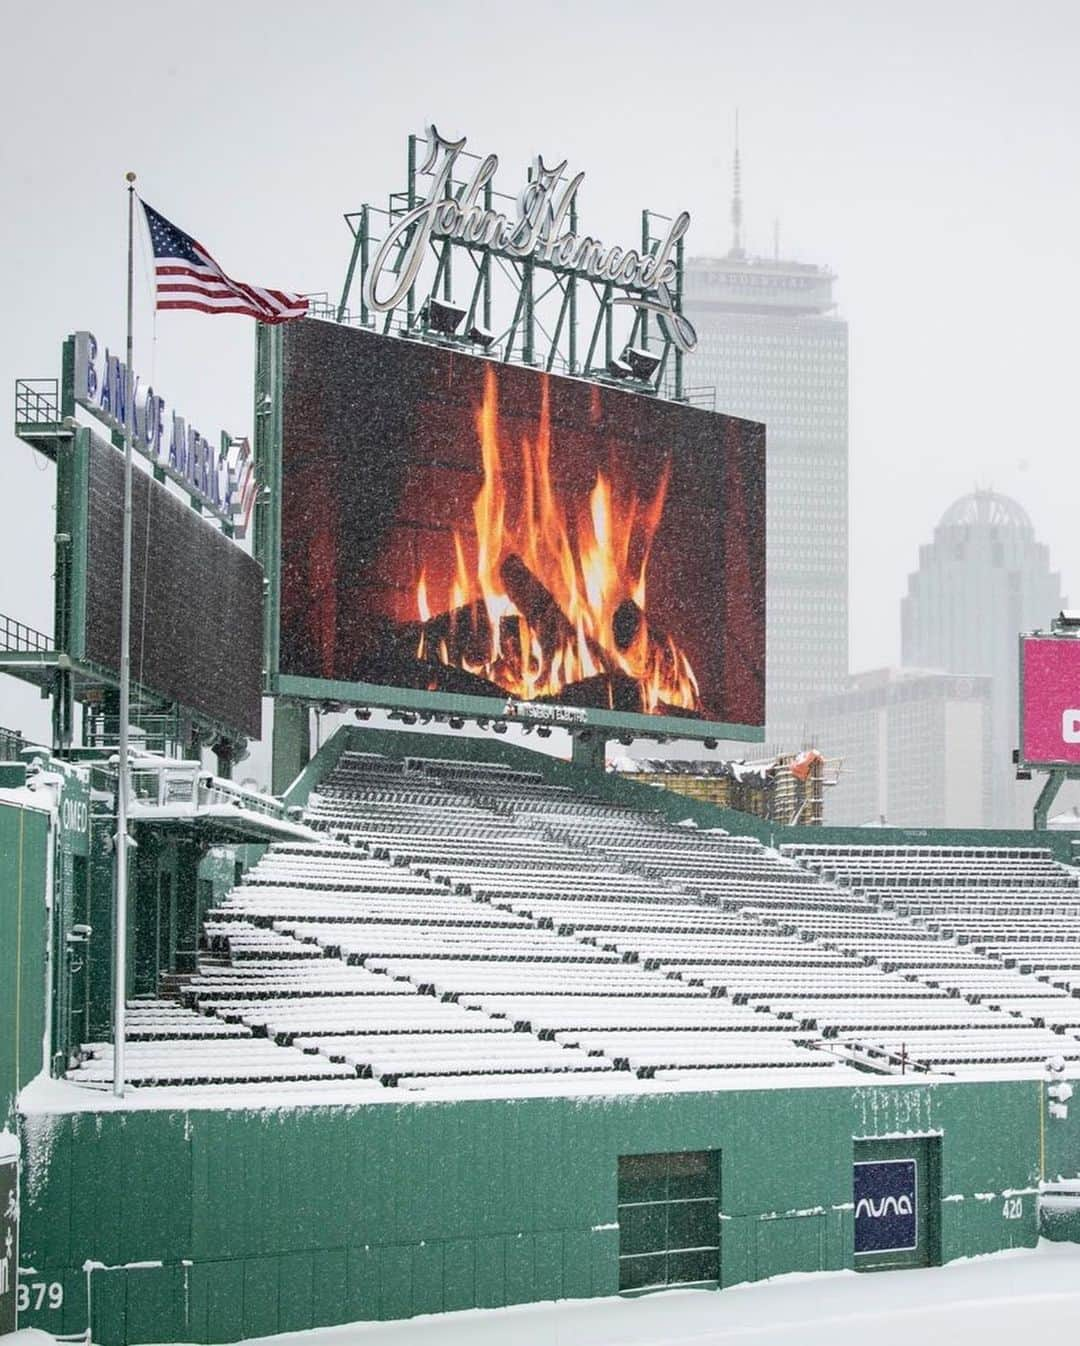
(926, 152)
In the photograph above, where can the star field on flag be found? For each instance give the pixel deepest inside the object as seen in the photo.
(188, 277)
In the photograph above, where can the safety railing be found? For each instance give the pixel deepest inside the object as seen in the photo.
(37, 401)
(18, 638)
(169, 782)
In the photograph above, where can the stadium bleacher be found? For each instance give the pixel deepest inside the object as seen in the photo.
(471, 925)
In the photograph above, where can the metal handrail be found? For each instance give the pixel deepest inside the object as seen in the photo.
(37, 401)
(18, 638)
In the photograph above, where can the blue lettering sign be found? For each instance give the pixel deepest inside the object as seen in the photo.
(178, 446)
(886, 1206)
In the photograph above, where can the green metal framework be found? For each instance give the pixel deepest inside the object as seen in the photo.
(560, 321)
(57, 664)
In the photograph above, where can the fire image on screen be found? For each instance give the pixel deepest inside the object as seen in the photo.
(451, 524)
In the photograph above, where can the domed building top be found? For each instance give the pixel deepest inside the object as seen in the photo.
(988, 509)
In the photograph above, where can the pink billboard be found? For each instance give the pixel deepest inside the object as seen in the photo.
(1050, 700)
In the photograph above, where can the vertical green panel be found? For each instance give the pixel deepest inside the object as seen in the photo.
(197, 1301)
(46, 1195)
(737, 1250)
(459, 1276)
(24, 837)
(362, 1285)
(295, 1272)
(604, 1247)
(790, 1245)
(395, 1282)
(576, 1272)
(329, 1288)
(155, 1216)
(331, 1214)
(261, 1297)
(520, 1269)
(225, 1301)
(155, 1297)
(108, 1307)
(548, 1260)
(490, 1273)
(98, 1165)
(427, 1278)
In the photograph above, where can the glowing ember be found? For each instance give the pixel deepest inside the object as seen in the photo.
(562, 600)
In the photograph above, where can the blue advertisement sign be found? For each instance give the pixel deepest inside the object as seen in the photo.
(886, 1206)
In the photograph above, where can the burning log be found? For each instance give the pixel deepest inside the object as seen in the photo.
(627, 623)
(465, 632)
(535, 603)
(545, 618)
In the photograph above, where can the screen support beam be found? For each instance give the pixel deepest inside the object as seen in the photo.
(1047, 795)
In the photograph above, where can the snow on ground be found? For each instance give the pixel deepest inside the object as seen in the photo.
(992, 1301)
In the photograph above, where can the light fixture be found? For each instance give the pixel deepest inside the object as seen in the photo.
(407, 717)
(543, 731)
(641, 363)
(619, 369)
(456, 722)
(439, 315)
(711, 744)
(481, 336)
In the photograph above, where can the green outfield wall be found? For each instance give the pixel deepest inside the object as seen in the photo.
(210, 1226)
(24, 850)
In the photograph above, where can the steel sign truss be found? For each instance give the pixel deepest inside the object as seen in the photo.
(532, 309)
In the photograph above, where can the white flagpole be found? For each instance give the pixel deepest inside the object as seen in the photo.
(123, 774)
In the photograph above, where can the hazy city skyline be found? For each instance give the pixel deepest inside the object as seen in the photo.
(917, 154)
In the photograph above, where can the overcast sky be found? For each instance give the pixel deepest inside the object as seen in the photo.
(924, 151)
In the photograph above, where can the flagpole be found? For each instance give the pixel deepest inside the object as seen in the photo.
(123, 774)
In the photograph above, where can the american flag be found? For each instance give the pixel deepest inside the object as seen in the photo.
(188, 277)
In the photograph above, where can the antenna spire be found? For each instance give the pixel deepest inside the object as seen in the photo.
(736, 198)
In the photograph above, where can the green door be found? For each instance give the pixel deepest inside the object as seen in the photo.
(669, 1219)
(896, 1200)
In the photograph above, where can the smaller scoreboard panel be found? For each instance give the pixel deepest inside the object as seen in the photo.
(196, 597)
(1050, 701)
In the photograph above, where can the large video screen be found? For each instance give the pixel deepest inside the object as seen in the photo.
(1050, 701)
(452, 524)
(196, 598)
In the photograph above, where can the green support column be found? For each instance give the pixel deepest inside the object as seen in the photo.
(589, 750)
(291, 745)
(1047, 795)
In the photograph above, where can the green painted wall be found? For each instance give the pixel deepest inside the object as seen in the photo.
(24, 843)
(285, 1219)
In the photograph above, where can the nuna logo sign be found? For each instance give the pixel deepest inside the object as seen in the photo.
(886, 1206)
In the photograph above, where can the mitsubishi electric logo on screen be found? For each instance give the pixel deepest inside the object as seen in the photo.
(886, 1206)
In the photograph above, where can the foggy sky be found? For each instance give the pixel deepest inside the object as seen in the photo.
(925, 152)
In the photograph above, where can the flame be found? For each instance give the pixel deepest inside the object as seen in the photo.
(560, 595)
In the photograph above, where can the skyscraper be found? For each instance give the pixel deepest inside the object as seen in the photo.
(771, 342)
(914, 747)
(982, 581)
